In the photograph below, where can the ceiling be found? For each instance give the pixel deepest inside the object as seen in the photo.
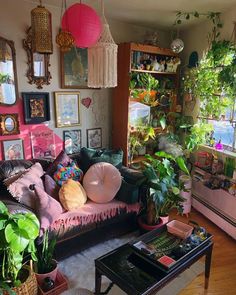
(151, 13)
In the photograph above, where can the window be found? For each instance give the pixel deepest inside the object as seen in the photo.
(224, 130)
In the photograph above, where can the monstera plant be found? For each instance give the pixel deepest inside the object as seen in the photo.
(17, 235)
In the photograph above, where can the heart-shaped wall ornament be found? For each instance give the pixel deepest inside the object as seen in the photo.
(86, 102)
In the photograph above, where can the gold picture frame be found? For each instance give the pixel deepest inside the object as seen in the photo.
(9, 124)
(67, 108)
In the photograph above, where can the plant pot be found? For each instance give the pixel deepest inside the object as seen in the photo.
(146, 227)
(28, 287)
(165, 219)
(53, 274)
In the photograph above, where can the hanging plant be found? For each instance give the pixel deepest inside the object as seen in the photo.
(213, 80)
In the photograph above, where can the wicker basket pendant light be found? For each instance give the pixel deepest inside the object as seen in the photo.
(102, 60)
(41, 25)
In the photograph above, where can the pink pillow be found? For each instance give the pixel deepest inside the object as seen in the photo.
(48, 209)
(102, 182)
(50, 187)
(20, 190)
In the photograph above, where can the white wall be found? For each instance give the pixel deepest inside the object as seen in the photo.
(15, 19)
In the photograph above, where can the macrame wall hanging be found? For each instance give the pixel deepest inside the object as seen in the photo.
(102, 59)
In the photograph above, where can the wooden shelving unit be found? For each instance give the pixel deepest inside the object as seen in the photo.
(121, 97)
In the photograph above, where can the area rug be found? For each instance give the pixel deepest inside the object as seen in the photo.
(80, 271)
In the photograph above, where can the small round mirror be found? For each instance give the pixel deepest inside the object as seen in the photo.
(9, 124)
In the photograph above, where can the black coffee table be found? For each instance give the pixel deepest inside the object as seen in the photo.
(137, 276)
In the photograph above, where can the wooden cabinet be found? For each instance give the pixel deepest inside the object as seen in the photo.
(135, 59)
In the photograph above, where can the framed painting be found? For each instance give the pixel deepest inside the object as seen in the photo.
(43, 144)
(74, 68)
(72, 141)
(36, 107)
(13, 149)
(94, 138)
(67, 107)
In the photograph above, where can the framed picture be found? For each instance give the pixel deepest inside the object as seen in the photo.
(72, 141)
(43, 144)
(94, 138)
(74, 68)
(36, 107)
(67, 106)
(13, 149)
(9, 124)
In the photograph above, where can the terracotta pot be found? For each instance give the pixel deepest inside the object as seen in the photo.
(52, 275)
(146, 227)
(165, 219)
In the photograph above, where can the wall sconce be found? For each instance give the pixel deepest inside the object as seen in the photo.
(41, 26)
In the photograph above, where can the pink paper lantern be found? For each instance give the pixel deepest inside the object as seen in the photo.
(83, 23)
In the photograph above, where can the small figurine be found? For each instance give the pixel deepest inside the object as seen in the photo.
(156, 65)
(176, 62)
(162, 65)
(170, 65)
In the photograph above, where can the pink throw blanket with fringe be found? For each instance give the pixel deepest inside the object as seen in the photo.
(93, 212)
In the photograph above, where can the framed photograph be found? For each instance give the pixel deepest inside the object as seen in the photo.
(74, 68)
(43, 144)
(9, 124)
(67, 106)
(72, 141)
(36, 107)
(13, 149)
(94, 138)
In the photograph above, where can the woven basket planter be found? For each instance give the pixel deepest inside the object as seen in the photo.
(29, 287)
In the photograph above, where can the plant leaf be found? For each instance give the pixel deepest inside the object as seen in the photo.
(182, 165)
(16, 237)
(163, 122)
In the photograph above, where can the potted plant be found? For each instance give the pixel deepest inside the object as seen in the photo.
(18, 232)
(46, 266)
(163, 193)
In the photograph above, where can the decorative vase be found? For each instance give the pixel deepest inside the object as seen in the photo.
(52, 275)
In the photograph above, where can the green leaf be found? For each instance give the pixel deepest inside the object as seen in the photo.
(162, 154)
(3, 208)
(175, 190)
(182, 165)
(163, 122)
(16, 238)
(30, 225)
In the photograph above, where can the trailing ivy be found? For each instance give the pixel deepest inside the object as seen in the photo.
(213, 81)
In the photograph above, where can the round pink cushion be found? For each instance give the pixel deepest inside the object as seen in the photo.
(102, 182)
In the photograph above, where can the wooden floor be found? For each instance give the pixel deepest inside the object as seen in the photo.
(223, 267)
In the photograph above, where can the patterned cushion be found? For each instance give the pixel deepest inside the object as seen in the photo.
(69, 172)
(62, 159)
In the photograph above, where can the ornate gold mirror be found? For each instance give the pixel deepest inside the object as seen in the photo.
(8, 76)
(38, 64)
(9, 124)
